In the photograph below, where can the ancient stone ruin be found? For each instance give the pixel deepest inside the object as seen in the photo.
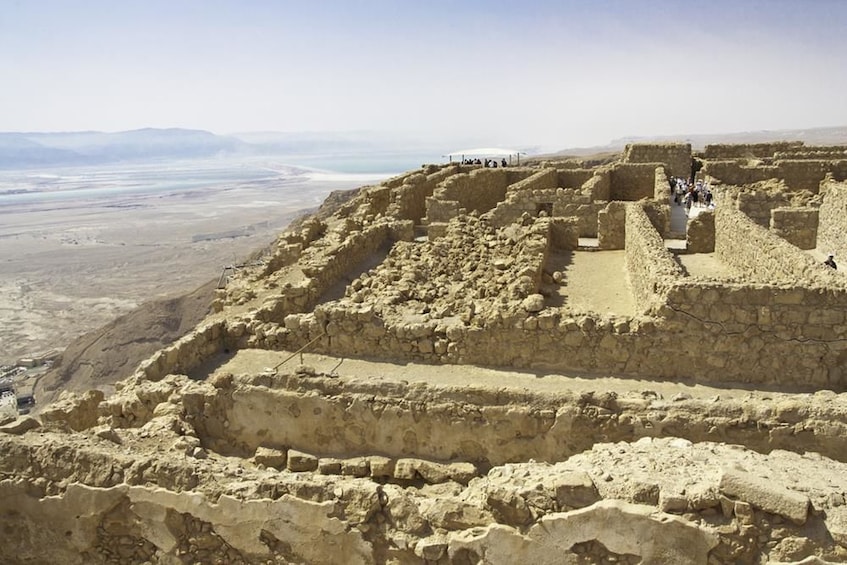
(472, 365)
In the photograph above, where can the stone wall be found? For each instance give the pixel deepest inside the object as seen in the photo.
(572, 204)
(574, 178)
(599, 187)
(675, 156)
(757, 202)
(832, 219)
(736, 173)
(798, 226)
(480, 191)
(409, 198)
(564, 234)
(817, 152)
(700, 235)
(648, 262)
(761, 256)
(797, 174)
(611, 226)
(633, 181)
(748, 150)
(661, 186)
(188, 352)
(803, 174)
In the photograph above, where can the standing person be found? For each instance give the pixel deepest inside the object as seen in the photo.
(830, 261)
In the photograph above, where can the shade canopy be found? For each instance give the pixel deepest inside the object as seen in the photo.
(484, 152)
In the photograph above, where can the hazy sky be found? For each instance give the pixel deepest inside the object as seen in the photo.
(552, 73)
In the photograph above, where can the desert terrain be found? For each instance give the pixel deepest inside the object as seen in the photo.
(70, 264)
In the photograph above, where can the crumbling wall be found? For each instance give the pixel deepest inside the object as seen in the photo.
(633, 181)
(564, 234)
(676, 157)
(571, 203)
(802, 174)
(819, 152)
(479, 191)
(599, 187)
(757, 201)
(188, 352)
(737, 173)
(721, 151)
(409, 199)
(832, 219)
(700, 235)
(797, 174)
(798, 226)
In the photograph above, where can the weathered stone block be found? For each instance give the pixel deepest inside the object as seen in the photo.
(299, 461)
(768, 496)
(381, 466)
(574, 490)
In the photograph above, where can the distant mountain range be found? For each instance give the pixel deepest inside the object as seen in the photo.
(32, 149)
(28, 150)
(20, 150)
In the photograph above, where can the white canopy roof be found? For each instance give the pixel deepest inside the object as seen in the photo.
(484, 152)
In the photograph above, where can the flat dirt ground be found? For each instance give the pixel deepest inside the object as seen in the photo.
(69, 267)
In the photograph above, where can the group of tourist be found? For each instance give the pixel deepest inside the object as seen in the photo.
(489, 163)
(697, 194)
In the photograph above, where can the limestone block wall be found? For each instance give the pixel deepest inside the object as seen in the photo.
(571, 203)
(564, 233)
(700, 235)
(832, 219)
(735, 173)
(757, 204)
(573, 178)
(611, 226)
(802, 174)
(409, 199)
(708, 332)
(798, 226)
(522, 202)
(675, 156)
(748, 150)
(439, 210)
(761, 256)
(661, 186)
(599, 186)
(782, 334)
(832, 152)
(659, 213)
(558, 202)
(633, 181)
(648, 262)
(480, 190)
(544, 179)
(186, 353)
